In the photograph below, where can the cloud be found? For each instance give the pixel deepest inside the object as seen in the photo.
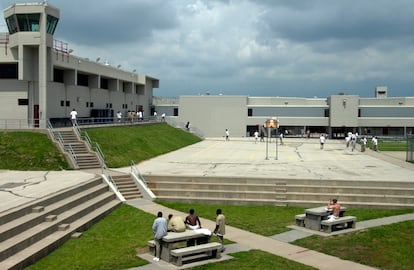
(266, 47)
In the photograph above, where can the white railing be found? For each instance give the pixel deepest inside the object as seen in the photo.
(142, 184)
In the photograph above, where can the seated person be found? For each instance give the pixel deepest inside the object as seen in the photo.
(335, 207)
(176, 224)
(192, 221)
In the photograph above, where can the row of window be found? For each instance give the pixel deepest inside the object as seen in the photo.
(30, 23)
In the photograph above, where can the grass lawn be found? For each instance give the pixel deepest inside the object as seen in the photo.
(29, 151)
(112, 243)
(390, 145)
(385, 247)
(122, 144)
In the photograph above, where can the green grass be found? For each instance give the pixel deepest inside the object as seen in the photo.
(385, 247)
(112, 243)
(123, 144)
(255, 259)
(390, 145)
(109, 244)
(29, 151)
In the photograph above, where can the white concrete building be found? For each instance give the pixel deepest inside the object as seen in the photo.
(335, 115)
(40, 78)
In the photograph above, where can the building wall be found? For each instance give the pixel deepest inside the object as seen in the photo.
(337, 114)
(10, 92)
(343, 111)
(215, 114)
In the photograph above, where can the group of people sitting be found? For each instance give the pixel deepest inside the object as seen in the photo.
(178, 224)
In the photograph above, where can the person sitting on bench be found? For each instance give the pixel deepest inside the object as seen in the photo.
(335, 207)
(175, 223)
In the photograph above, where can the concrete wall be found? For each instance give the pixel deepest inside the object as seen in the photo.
(343, 110)
(214, 114)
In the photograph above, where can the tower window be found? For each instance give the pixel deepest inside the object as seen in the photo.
(29, 22)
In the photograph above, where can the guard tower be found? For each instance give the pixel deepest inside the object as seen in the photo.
(31, 27)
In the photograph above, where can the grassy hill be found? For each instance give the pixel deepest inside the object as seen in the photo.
(29, 151)
(33, 151)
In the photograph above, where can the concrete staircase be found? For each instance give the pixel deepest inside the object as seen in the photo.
(32, 231)
(295, 192)
(85, 159)
(127, 187)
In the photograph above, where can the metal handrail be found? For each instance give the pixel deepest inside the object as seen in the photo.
(135, 171)
(58, 137)
(72, 153)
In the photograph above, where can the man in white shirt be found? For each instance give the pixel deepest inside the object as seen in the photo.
(73, 115)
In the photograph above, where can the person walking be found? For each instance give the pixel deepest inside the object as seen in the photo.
(363, 143)
(374, 141)
(159, 227)
(322, 140)
(256, 136)
(73, 115)
(227, 134)
(220, 229)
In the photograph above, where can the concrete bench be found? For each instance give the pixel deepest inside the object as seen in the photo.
(300, 220)
(345, 222)
(151, 246)
(192, 253)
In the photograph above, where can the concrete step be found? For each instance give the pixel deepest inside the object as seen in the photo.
(30, 254)
(127, 187)
(285, 191)
(30, 220)
(34, 234)
(25, 209)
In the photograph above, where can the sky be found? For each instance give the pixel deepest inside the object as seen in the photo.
(289, 48)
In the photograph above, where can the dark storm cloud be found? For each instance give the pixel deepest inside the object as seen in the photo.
(355, 23)
(113, 22)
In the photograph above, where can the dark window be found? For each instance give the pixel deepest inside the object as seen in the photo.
(28, 22)
(23, 101)
(62, 103)
(91, 104)
(87, 104)
(51, 24)
(67, 103)
(359, 112)
(104, 83)
(175, 111)
(326, 112)
(12, 24)
(8, 71)
(83, 79)
(58, 75)
(250, 112)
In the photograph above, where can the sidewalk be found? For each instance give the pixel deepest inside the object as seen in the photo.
(246, 240)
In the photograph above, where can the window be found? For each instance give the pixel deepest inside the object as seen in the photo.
(250, 112)
(67, 103)
(58, 75)
(104, 83)
(8, 71)
(83, 79)
(62, 103)
(326, 112)
(23, 101)
(28, 22)
(51, 24)
(175, 111)
(11, 24)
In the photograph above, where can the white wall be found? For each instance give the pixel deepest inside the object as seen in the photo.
(214, 114)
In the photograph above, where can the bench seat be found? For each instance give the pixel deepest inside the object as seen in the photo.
(300, 220)
(210, 250)
(347, 221)
(151, 246)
